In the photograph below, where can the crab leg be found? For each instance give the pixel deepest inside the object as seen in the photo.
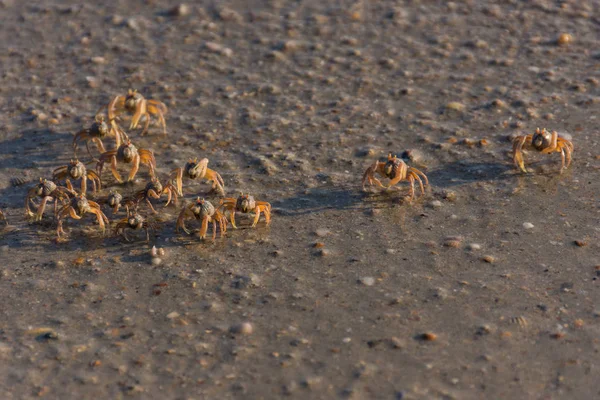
(134, 168)
(204, 227)
(113, 168)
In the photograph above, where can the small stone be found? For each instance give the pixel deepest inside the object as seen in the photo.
(427, 336)
(322, 232)
(474, 246)
(173, 315)
(528, 225)
(488, 259)
(436, 204)
(397, 343)
(580, 243)
(564, 39)
(455, 106)
(98, 60)
(180, 10)
(367, 280)
(245, 328)
(324, 252)
(156, 261)
(453, 241)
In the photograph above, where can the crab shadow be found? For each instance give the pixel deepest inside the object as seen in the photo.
(330, 197)
(464, 172)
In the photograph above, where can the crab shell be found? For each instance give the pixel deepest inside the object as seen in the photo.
(131, 100)
(155, 185)
(541, 139)
(127, 152)
(135, 221)
(203, 208)
(80, 204)
(45, 188)
(245, 203)
(391, 167)
(76, 169)
(100, 126)
(191, 169)
(114, 198)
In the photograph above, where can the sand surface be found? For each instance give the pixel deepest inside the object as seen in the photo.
(484, 288)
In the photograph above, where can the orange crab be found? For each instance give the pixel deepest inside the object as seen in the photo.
(78, 206)
(98, 131)
(134, 103)
(77, 170)
(245, 204)
(544, 142)
(47, 191)
(134, 221)
(129, 154)
(396, 170)
(195, 169)
(202, 210)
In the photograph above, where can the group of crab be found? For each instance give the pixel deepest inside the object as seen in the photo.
(70, 202)
(542, 141)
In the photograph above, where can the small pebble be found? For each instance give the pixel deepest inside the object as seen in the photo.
(322, 232)
(173, 315)
(528, 225)
(474, 246)
(580, 243)
(245, 328)
(428, 336)
(367, 280)
(324, 252)
(435, 204)
(180, 10)
(488, 259)
(564, 39)
(156, 261)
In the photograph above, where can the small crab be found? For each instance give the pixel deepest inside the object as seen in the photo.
(115, 200)
(154, 189)
(195, 169)
(98, 131)
(202, 210)
(77, 170)
(78, 206)
(134, 221)
(396, 170)
(245, 203)
(129, 154)
(134, 103)
(47, 191)
(545, 142)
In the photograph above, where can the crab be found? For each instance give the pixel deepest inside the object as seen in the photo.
(78, 206)
(129, 154)
(245, 203)
(134, 221)
(545, 142)
(77, 170)
(154, 189)
(98, 131)
(47, 191)
(195, 169)
(202, 210)
(396, 170)
(134, 103)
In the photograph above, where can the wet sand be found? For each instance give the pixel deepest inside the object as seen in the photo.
(486, 287)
